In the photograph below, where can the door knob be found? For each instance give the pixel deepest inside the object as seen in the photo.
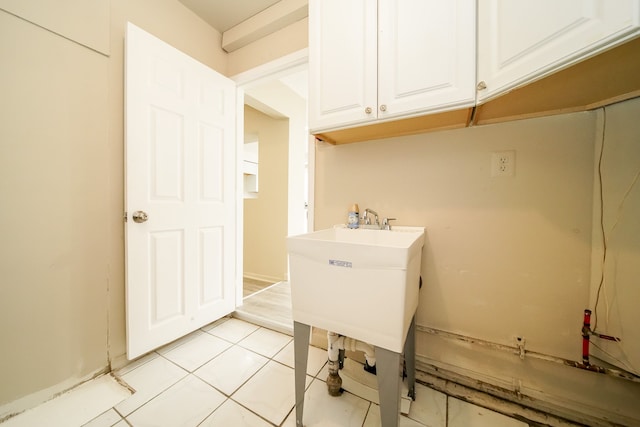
(140, 216)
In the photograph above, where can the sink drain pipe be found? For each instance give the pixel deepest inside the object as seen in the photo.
(337, 344)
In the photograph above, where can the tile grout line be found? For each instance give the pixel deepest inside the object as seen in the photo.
(192, 373)
(230, 397)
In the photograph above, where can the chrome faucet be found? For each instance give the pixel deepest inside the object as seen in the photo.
(385, 223)
(367, 220)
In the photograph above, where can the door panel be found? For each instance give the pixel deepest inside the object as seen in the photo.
(168, 293)
(181, 171)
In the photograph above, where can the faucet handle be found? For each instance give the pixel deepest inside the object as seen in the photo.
(385, 223)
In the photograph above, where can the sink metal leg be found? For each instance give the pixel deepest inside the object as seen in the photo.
(389, 381)
(300, 354)
(410, 358)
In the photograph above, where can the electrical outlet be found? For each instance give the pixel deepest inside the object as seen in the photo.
(503, 163)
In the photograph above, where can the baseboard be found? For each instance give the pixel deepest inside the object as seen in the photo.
(120, 361)
(484, 395)
(550, 392)
(522, 389)
(20, 405)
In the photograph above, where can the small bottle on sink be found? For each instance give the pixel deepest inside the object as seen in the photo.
(353, 219)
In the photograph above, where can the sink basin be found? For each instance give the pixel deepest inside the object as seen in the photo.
(360, 283)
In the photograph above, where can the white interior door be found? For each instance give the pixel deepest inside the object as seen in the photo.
(181, 172)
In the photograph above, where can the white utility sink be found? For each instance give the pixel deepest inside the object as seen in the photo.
(361, 283)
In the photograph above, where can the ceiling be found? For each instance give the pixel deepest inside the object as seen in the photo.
(224, 14)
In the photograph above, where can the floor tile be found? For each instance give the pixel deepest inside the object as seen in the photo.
(215, 323)
(323, 410)
(315, 361)
(265, 342)
(270, 392)
(75, 407)
(233, 414)
(373, 419)
(430, 407)
(231, 369)
(235, 384)
(106, 419)
(233, 330)
(463, 414)
(177, 343)
(136, 363)
(149, 380)
(186, 403)
(194, 353)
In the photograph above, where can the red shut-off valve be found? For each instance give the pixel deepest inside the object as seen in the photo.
(586, 332)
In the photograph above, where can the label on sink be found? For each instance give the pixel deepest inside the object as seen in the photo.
(339, 263)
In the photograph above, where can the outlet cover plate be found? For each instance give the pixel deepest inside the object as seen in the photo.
(503, 163)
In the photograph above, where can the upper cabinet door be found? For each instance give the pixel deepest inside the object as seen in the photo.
(376, 60)
(519, 42)
(426, 56)
(342, 62)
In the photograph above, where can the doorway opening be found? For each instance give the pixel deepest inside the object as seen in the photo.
(275, 121)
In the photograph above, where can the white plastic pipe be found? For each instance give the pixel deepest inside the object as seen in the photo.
(340, 342)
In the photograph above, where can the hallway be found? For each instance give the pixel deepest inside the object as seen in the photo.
(269, 307)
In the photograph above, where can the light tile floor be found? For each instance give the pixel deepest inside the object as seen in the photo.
(234, 373)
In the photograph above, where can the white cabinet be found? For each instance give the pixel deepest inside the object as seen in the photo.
(374, 60)
(520, 42)
(250, 169)
(343, 68)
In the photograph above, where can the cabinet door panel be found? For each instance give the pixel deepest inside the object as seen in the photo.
(342, 62)
(519, 42)
(426, 56)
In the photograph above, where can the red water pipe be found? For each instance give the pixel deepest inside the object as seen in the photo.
(586, 330)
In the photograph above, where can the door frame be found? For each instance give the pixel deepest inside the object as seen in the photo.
(288, 64)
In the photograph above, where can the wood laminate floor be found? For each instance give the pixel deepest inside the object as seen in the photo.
(269, 307)
(251, 286)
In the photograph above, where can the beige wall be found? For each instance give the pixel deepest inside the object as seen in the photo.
(61, 166)
(266, 217)
(84, 22)
(519, 246)
(276, 45)
(503, 256)
(62, 306)
(53, 146)
(617, 311)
